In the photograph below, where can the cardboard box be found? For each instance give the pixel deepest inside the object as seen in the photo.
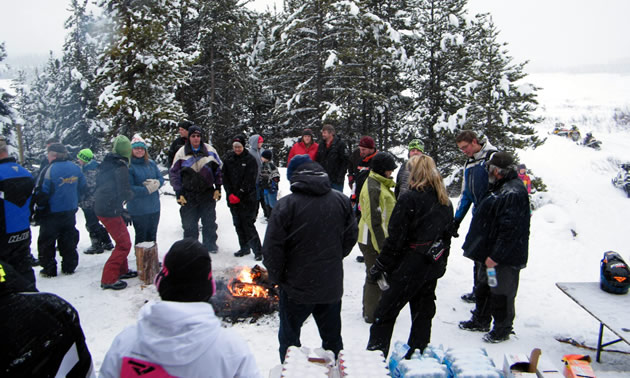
(578, 366)
(523, 366)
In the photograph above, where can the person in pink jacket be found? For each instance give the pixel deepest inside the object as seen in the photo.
(304, 146)
(522, 174)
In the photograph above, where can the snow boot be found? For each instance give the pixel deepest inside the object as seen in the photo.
(33, 261)
(469, 298)
(95, 249)
(475, 325)
(242, 252)
(48, 273)
(498, 335)
(130, 274)
(118, 285)
(107, 245)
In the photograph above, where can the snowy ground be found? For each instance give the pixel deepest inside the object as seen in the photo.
(580, 198)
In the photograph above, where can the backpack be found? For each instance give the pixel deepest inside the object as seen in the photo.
(615, 274)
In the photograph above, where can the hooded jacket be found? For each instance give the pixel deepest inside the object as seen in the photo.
(181, 339)
(500, 227)
(255, 152)
(112, 186)
(239, 178)
(377, 203)
(475, 183)
(309, 233)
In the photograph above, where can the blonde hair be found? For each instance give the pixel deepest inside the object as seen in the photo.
(424, 174)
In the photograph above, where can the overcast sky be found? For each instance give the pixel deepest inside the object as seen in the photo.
(550, 34)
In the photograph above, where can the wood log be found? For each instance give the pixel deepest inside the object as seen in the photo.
(147, 261)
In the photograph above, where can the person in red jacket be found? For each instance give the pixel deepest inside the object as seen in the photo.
(304, 146)
(522, 174)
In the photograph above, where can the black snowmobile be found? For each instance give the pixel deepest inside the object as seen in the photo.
(590, 141)
(622, 180)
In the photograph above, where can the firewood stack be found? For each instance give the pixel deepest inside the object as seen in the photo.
(147, 261)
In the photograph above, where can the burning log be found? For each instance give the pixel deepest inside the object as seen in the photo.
(249, 294)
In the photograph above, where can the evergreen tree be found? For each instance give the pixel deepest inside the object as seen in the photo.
(498, 103)
(140, 70)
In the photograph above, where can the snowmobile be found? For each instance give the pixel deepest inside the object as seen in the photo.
(590, 141)
(573, 133)
(622, 180)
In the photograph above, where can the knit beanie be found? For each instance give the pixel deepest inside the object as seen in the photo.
(267, 154)
(85, 155)
(186, 274)
(382, 162)
(240, 138)
(296, 161)
(260, 139)
(122, 146)
(184, 124)
(416, 144)
(367, 142)
(138, 142)
(501, 160)
(307, 132)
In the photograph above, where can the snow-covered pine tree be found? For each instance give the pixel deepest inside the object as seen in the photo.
(140, 71)
(8, 115)
(498, 103)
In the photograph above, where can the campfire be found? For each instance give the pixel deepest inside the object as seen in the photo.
(248, 294)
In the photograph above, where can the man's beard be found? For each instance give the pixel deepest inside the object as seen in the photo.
(492, 178)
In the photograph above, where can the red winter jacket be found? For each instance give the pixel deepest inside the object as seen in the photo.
(299, 148)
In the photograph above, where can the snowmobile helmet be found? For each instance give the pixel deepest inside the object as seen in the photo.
(382, 162)
(573, 127)
(615, 274)
(85, 155)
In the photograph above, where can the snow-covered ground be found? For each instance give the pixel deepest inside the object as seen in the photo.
(580, 197)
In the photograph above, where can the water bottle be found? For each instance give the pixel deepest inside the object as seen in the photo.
(382, 283)
(492, 277)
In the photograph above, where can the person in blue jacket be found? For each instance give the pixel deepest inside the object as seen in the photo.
(57, 200)
(16, 185)
(145, 180)
(474, 184)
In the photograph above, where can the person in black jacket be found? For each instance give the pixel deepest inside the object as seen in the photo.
(240, 171)
(112, 189)
(498, 238)
(180, 141)
(421, 217)
(41, 332)
(332, 154)
(309, 233)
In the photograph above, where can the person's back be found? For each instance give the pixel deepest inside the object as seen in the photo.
(63, 183)
(112, 186)
(181, 336)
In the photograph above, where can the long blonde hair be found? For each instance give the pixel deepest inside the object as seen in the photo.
(423, 173)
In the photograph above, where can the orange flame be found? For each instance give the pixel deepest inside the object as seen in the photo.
(243, 285)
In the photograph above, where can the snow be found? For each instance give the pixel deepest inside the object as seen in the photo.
(580, 197)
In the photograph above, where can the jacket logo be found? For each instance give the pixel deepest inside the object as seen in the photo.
(70, 180)
(19, 237)
(15, 168)
(140, 368)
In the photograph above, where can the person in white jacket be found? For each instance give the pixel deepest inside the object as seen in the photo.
(180, 335)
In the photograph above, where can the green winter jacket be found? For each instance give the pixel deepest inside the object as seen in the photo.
(376, 203)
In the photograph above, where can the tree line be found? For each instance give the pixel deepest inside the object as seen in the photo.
(393, 69)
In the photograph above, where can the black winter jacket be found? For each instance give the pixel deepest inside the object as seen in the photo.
(112, 186)
(178, 143)
(333, 159)
(239, 177)
(309, 233)
(417, 220)
(500, 227)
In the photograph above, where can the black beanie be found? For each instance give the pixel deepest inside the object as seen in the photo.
(501, 160)
(184, 124)
(383, 161)
(186, 274)
(267, 154)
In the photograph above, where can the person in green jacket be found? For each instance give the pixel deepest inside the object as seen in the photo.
(376, 203)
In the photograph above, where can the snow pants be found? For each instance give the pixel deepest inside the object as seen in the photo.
(244, 217)
(413, 282)
(116, 265)
(145, 227)
(497, 302)
(371, 291)
(58, 229)
(94, 227)
(191, 213)
(15, 249)
(292, 315)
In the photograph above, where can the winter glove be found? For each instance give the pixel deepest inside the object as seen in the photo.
(376, 271)
(350, 181)
(233, 200)
(151, 184)
(126, 217)
(181, 200)
(453, 227)
(216, 195)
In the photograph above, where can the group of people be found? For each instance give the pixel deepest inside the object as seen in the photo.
(403, 227)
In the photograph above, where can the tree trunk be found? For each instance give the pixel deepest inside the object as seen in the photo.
(147, 261)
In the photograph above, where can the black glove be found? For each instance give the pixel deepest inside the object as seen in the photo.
(453, 227)
(126, 217)
(376, 271)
